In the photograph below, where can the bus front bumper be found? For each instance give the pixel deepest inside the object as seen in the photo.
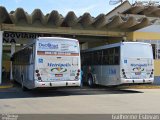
(56, 84)
(132, 81)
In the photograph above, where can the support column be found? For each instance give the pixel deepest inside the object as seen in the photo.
(84, 46)
(12, 51)
(1, 51)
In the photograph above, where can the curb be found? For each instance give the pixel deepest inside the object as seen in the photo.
(5, 86)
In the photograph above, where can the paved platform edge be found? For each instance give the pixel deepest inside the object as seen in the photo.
(6, 86)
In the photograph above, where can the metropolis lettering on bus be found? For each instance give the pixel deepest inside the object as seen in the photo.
(139, 65)
(48, 46)
(59, 65)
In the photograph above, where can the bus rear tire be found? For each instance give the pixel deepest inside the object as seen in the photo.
(90, 82)
(22, 86)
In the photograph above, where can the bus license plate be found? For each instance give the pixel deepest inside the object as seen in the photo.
(137, 73)
(58, 75)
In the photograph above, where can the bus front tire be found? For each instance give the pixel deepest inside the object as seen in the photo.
(90, 82)
(22, 86)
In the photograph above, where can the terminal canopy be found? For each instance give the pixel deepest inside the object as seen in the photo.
(122, 18)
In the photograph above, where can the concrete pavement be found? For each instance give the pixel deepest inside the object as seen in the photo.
(80, 101)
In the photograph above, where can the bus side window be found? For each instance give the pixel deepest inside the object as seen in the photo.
(154, 50)
(91, 58)
(25, 56)
(99, 57)
(96, 58)
(111, 56)
(12, 58)
(117, 56)
(105, 57)
(85, 58)
(31, 54)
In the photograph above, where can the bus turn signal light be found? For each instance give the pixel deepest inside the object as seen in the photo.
(39, 78)
(38, 75)
(77, 74)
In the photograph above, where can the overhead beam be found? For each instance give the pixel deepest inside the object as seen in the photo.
(60, 30)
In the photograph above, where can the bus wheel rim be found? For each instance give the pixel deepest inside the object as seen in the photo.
(90, 81)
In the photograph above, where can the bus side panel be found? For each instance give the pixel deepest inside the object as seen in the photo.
(110, 75)
(28, 71)
(35, 65)
(17, 73)
(96, 72)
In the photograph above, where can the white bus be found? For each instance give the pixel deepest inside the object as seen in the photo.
(48, 62)
(119, 63)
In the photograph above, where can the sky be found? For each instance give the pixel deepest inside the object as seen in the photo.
(94, 7)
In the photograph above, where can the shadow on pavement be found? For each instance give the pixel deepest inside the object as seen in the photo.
(16, 92)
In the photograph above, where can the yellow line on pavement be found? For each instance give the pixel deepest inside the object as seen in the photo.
(6, 86)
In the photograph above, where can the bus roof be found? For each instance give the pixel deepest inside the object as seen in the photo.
(113, 45)
(59, 38)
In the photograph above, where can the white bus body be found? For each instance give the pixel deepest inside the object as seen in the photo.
(120, 63)
(48, 62)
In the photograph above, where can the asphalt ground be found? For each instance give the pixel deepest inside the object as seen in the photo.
(98, 100)
(13, 90)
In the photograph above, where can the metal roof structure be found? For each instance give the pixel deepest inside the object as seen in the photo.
(149, 9)
(115, 23)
